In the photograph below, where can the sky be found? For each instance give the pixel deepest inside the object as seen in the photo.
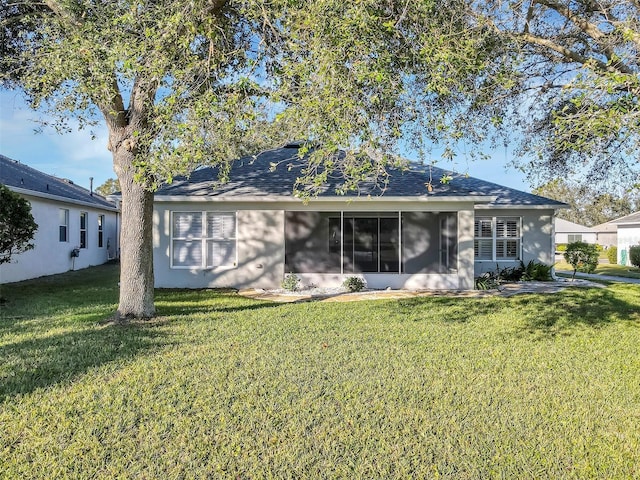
(77, 156)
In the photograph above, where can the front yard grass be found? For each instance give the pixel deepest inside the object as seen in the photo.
(220, 386)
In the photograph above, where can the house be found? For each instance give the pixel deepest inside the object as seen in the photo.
(251, 231)
(69, 217)
(569, 232)
(606, 234)
(628, 235)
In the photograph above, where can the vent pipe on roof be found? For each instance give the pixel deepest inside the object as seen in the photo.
(91, 186)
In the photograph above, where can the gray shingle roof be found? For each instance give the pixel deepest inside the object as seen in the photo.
(251, 177)
(632, 218)
(18, 175)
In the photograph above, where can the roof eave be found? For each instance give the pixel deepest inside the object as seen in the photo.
(57, 198)
(289, 199)
(521, 205)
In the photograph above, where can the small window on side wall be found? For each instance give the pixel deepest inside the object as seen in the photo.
(83, 229)
(63, 232)
(574, 238)
(100, 230)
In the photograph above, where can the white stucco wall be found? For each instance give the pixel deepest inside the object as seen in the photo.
(537, 237)
(628, 236)
(51, 256)
(261, 252)
(260, 243)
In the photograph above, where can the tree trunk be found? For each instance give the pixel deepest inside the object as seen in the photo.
(136, 239)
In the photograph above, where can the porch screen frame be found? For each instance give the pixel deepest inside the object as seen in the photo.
(378, 216)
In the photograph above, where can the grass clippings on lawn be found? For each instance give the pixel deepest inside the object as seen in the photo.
(221, 386)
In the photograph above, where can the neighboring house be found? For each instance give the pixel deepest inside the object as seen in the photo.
(569, 232)
(607, 234)
(68, 217)
(251, 231)
(628, 235)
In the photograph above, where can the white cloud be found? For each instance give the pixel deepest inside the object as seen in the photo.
(72, 155)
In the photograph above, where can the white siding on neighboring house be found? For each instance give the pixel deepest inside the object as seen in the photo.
(606, 234)
(53, 244)
(569, 232)
(628, 236)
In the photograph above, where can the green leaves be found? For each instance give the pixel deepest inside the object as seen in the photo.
(17, 226)
(206, 82)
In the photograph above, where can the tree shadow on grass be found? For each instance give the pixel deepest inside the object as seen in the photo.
(190, 302)
(551, 313)
(445, 309)
(573, 308)
(49, 360)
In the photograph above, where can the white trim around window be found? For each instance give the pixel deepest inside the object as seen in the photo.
(497, 239)
(63, 230)
(84, 222)
(203, 240)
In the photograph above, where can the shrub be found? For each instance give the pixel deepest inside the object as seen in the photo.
(535, 271)
(561, 247)
(582, 257)
(612, 255)
(354, 284)
(17, 226)
(291, 282)
(488, 281)
(634, 255)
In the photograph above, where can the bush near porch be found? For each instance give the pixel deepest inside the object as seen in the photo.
(222, 386)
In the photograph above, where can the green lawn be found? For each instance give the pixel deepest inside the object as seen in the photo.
(607, 269)
(220, 386)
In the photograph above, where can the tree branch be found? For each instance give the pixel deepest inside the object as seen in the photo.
(61, 12)
(575, 56)
(591, 30)
(113, 111)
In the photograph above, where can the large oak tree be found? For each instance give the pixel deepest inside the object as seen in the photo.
(190, 82)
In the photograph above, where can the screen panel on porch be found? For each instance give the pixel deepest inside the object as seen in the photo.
(429, 242)
(365, 242)
(310, 245)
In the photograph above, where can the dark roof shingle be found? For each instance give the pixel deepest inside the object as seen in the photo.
(253, 177)
(18, 175)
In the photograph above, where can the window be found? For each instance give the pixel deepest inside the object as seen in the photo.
(83, 229)
(497, 238)
(203, 239)
(483, 239)
(63, 215)
(100, 230)
(574, 238)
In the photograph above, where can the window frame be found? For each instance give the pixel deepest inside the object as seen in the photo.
(84, 244)
(101, 219)
(496, 239)
(64, 225)
(574, 235)
(204, 239)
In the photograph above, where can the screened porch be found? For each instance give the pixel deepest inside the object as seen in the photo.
(371, 243)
